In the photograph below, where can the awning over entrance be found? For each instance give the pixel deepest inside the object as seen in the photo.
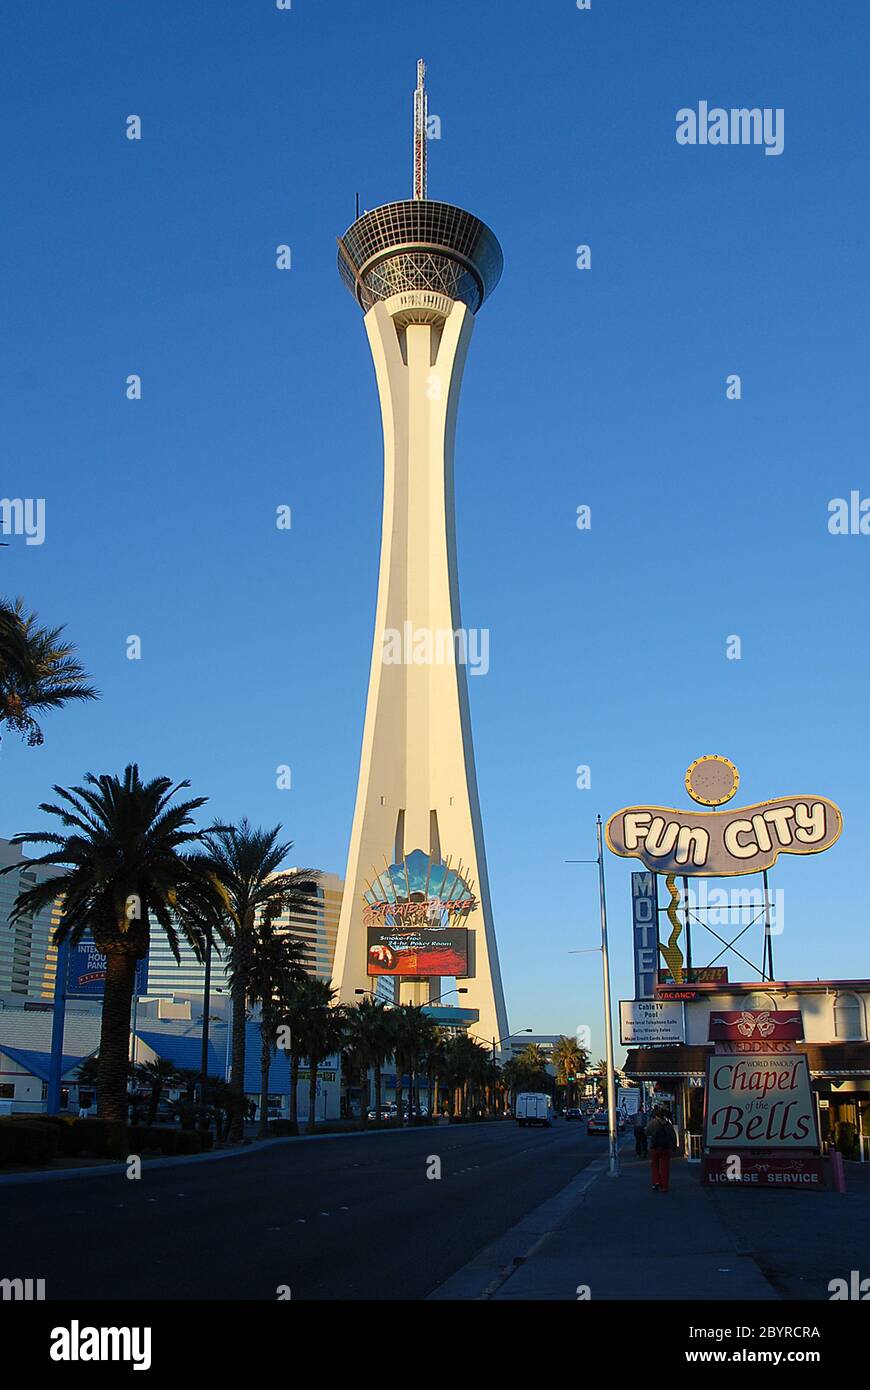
(838, 1059)
(825, 1059)
(644, 1062)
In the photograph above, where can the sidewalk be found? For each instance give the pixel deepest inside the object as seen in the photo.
(626, 1241)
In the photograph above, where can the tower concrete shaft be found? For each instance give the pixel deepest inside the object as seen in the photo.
(417, 782)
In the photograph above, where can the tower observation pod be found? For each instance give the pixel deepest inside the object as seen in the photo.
(416, 920)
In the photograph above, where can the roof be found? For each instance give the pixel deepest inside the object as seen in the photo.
(38, 1063)
(183, 1051)
(31, 1031)
(706, 990)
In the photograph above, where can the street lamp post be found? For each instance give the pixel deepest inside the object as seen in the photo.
(613, 1146)
(498, 1042)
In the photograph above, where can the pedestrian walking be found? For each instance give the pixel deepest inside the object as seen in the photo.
(641, 1120)
(662, 1143)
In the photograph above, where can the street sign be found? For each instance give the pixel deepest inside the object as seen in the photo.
(651, 1022)
(86, 973)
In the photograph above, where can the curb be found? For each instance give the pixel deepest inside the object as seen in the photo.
(483, 1276)
(184, 1160)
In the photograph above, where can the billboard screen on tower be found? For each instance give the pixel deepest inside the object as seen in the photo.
(394, 951)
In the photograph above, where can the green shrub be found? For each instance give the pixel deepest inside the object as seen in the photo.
(143, 1139)
(847, 1139)
(7, 1143)
(152, 1139)
(189, 1142)
(102, 1138)
(30, 1143)
(167, 1140)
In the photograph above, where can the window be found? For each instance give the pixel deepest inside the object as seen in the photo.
(848, 1017)
(7, 1091)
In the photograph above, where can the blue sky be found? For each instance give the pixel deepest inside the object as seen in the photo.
(603, 387)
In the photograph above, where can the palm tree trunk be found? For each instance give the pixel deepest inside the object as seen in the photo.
(312, 1093)
(114, 1058)
(363, 1097)
(400, 1117)
(237, 1067)
(265, 1063)
(378, 1085)
(294, 1087)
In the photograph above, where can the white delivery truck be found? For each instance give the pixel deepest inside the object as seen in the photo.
(534, 1108)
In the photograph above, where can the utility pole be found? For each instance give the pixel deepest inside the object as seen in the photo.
(613, 1171)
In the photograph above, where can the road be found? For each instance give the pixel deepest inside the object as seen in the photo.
(338, 1218)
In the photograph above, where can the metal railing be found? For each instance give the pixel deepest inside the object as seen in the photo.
(693, 1148)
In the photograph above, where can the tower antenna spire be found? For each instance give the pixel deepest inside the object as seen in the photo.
(421, 112)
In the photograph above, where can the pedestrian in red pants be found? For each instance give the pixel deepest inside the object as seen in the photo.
(662, 1143)
(661, 1168)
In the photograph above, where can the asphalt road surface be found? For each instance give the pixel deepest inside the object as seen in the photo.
(338, 1218)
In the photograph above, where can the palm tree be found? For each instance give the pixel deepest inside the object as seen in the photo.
(321, 1030)
(38, 671)
(570, 1061)
(371, 1042)
(513, 1080)
(246, 861)
(408, 1023)
(87, 1071)
(436, 1068)
(156, 1075)
(293, 1009)
(467, 1063)
(275, 965)
(125, 863)
(366, 1046)
(534, 1057)
(427, 1042)
(226, 1101)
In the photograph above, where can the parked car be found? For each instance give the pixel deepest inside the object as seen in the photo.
(534, 1108)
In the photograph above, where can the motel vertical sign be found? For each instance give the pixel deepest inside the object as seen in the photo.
(645, 930)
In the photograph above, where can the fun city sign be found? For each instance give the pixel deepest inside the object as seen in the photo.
(721, 844)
